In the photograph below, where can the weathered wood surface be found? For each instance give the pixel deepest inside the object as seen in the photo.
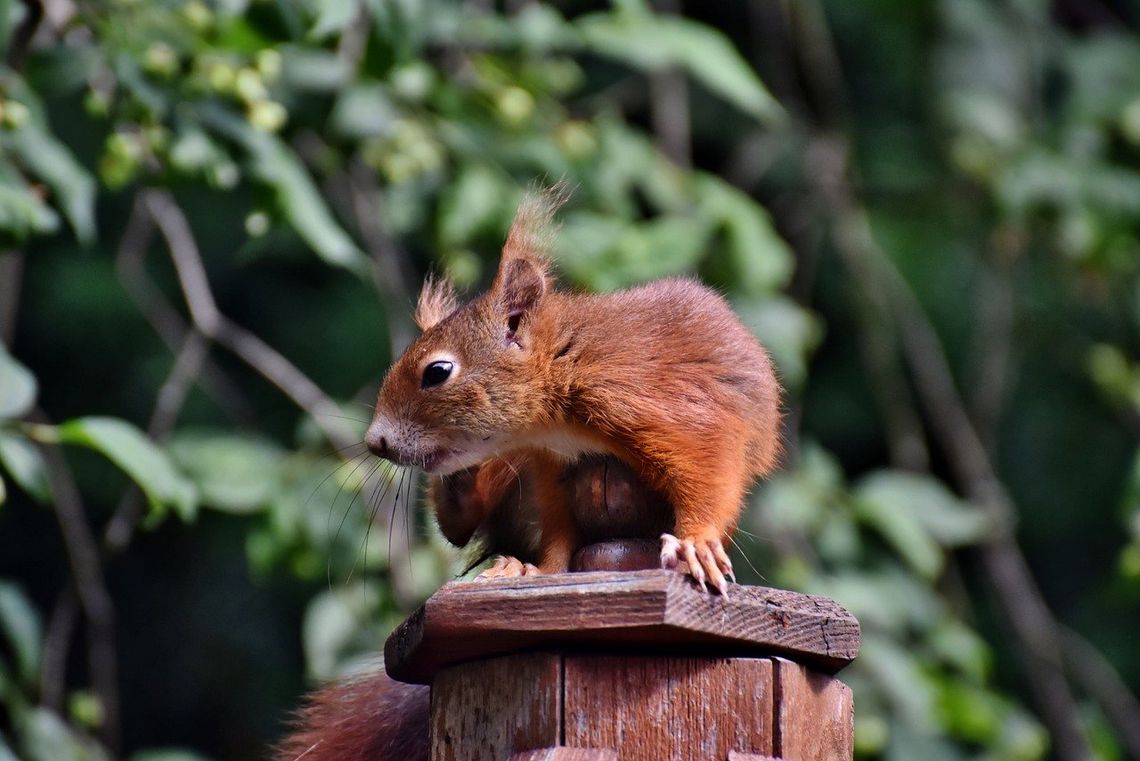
(577, 707)
(661, 609)
(668, 709)
(815, 716)
(493, 708)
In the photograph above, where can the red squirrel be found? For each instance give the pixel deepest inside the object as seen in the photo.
(663, 377)
(498, 395)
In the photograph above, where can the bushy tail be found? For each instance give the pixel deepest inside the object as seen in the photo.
(366, 718)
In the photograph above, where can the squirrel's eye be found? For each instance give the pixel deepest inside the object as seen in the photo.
(436, 373)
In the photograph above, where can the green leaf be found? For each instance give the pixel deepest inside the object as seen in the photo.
(363, 110)
(899, 676)
(472, 204)
(300, 201)
(233, 473)
(139, 457)
(20, 624)
(312, 69)
(896, 521)
(17, 387)
(6, 752)
(332, 629)
(760, 260)
(47, 738)
(608, 253)
(22, 213)
(950, 521)
(788, 331)
(332, 18)
(51, 161)
(652, 43)
(25, 465)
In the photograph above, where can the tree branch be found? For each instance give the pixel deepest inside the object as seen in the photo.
(162, 316)
(11, 277)
(1103, 683)
(669, 106)
(212, 323)
(1017, 593)
(90, 588)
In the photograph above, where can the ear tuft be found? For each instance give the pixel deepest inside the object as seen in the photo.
(437, 300)
(533, 229)
(524, 271)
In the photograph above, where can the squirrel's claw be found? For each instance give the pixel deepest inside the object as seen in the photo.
(706, 560)
(506, 567)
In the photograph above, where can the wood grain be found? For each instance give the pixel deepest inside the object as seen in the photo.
(815, 717)
(679, 709)
(660, 609)
(493, 708)
(735, 755)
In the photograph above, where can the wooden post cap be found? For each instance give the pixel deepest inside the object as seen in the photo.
(659, 610)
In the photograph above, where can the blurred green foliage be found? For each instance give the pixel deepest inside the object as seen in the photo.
(214, 217)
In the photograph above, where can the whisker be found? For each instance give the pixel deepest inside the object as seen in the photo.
(359, 460)
(343, 417)
(408, 515)
(392, 516)
(375, 505)
(745, 556)
(350, 446)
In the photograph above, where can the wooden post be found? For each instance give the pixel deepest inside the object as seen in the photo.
(635, 665)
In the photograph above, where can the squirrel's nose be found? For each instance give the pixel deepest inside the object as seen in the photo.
(376, 442)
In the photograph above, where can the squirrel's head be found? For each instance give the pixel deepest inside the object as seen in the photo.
(465, 384)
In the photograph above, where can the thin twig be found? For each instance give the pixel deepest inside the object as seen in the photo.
(57, 647)
(22, 37)
(1103, 683)
(993, 340)
(354, 41)
(90, 587)
(188, 364)
(11, 277)
(250, 348)
(669, 105)
(161, 314)
(391, 265)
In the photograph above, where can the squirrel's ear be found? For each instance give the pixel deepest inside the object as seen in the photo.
(519, 285)
(437, 300)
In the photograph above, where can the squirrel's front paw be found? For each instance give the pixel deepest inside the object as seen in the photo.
(705, 559)
(508, 567)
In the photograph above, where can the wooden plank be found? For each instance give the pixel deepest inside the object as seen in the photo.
(734, 755)
(566, 754)
(493, 708)
(659, 708)
(815, 715)
(662, 609)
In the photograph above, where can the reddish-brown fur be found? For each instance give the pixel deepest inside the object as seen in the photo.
(663, 376)
(369, 718)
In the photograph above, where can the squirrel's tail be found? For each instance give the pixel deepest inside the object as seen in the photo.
(370, 717)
